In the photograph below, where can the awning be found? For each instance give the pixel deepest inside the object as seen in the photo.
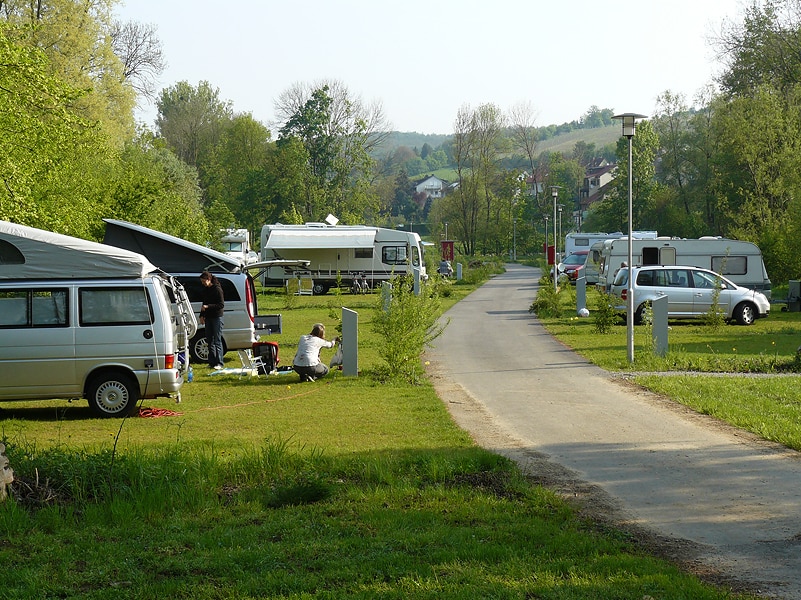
(283, 239)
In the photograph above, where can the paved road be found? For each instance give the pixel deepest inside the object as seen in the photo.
(736, 501)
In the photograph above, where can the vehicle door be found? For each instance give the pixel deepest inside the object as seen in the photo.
(706, 288)
(37, 346)
(679, 292)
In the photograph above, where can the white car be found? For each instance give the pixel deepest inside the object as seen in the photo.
(690, 292)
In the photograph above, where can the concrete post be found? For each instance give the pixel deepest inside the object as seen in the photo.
(659, 308)
(350, 342)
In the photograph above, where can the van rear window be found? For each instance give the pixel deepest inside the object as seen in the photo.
(115, 306)
(194, 289)
(34, 308)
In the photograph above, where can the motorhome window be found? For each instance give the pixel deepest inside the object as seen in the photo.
(730, 265)
(363, 253)
(581, 242)
(10, 254)
(49, 308)
(115, 306)
(14, 308)
(33, 308)
(393, 255)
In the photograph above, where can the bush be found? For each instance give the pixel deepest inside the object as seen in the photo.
(605, 315)
(547, 303)
(407, 325)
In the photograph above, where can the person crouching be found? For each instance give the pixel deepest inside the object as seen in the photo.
(307, 359)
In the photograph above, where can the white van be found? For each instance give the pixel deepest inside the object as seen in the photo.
(185, 261)
(84, 320)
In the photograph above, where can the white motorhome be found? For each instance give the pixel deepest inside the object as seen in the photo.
(737, 260)
(236, 244)
(80, 319)
(340, 254)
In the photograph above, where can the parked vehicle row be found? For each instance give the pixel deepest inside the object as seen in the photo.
(691, 293)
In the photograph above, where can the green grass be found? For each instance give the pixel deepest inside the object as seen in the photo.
(759, 392)
(266, 488)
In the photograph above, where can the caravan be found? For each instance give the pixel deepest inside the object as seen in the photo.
(341, 254)
(739, 261)
(84, 320)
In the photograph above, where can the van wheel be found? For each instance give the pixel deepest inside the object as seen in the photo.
(745, 313)
(113, 394)
(199, 348)
(638, 314)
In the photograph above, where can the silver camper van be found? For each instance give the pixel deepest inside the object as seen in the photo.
(80, 319)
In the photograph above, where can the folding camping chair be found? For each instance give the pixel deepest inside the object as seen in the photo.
(251, 365)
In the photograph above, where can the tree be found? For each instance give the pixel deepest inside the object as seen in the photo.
(763, 49)
(191, 120)
(76, 37)
(50, 157)
(611, 214)
(337, 135)
(139, 49)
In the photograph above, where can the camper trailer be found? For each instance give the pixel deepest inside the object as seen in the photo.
(577, 241)
(80, 319)
(341, 254)
(739, 261)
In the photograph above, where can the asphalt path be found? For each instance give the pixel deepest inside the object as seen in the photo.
(733, 501)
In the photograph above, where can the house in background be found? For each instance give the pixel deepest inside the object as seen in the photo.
(596, 184)
(432, 186)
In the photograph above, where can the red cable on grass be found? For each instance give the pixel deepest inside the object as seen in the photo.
(153, 413)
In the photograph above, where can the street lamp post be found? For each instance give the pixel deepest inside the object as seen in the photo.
(555, 194)
(629, 125)
(514, 240)
(546, 240)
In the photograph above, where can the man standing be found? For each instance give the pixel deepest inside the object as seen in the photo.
(211, 314)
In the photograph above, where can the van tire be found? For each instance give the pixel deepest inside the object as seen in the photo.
(638, 314)
(199, 348)
(113, 394)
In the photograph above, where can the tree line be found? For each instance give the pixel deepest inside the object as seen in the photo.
(71, 153)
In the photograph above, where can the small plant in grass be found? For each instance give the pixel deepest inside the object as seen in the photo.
(547, 302)
(407, 325)
(605, 315)
(714, 318)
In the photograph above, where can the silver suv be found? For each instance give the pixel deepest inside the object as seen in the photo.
(690, 292)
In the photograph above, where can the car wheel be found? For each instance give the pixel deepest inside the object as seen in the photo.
(745, 313)
(638, 314)
(199, 347)
(113, 394)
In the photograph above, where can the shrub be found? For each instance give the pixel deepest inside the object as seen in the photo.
(605, 315)
(547, 302)
(407, 325)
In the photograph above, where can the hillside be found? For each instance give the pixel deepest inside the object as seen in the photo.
(565, 142)
(561, 143)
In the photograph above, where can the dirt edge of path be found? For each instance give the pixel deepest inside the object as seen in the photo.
(593, 504)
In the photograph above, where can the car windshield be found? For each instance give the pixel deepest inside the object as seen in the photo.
(575, 259)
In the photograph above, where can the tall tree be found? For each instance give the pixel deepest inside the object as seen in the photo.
(76, 37)
(191, 120)
(139, 49)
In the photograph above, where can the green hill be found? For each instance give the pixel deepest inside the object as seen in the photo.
(600, 136)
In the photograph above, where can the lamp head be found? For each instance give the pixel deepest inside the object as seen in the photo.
(629, 122)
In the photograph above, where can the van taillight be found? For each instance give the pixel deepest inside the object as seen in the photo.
(250, 299)
(624, 294)
(169, 361)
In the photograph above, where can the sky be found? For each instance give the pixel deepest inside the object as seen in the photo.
(423, 60)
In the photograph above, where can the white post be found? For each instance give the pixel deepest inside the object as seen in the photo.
(350, 342)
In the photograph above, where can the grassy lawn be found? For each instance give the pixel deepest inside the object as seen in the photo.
(267, 488)
(745, 376)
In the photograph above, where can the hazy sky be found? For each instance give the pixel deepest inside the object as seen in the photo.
(424, 59)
